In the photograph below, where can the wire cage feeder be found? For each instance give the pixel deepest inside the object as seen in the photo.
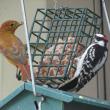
(55, 37)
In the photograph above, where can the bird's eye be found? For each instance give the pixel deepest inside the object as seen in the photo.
(98, 38)
(12, 25)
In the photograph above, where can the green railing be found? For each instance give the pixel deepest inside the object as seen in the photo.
(22, 99)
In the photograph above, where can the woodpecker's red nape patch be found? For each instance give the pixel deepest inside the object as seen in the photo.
(105, 38)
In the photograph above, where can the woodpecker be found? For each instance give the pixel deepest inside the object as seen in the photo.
(90, 62)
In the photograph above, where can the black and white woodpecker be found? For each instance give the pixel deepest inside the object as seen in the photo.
(89, 63)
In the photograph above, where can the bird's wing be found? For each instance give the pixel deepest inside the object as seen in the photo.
(94, 60)
(93, 57)
(18, 52)
(90, 60)
(13, 49)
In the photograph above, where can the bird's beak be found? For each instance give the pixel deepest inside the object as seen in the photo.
(21, 23)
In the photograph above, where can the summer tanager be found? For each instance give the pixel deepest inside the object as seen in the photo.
(13, 48)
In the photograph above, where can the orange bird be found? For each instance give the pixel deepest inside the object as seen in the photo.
(13, 49)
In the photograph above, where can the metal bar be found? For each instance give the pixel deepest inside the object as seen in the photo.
(56, 44)
(42, 25)
(90, 32)
(95, 33)
(56, 15)
(74, 53)
(32, 30)
(32, 25)
(92, 24)
(106, 14)
(93, 13)
(39, 20)
(76, 13)
(64, 43)
(51, 54)
(50, 78)
(52, 32)
(86, 34)
(46, 14)
(51, 65)
(69, 43)
(50, 43)
(77, 34)
(75, 25)
(37, 41)
(46, 44)
(28, 46)
(104, 69)
(66, 19)
(38, 37)
(84, 28)
(53, 38)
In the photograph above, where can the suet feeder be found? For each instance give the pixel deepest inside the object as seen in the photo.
(52, 28)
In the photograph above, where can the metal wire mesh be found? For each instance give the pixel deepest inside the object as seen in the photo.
(60, 27)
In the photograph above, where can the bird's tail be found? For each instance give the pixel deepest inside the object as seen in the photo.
(25, 72)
